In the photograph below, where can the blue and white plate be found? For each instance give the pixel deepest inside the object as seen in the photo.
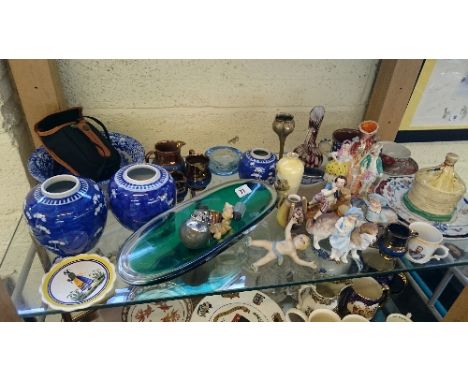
(41, 166)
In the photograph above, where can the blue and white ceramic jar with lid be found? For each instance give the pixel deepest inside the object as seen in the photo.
(66, 214)
(259, 164)
(140, 192)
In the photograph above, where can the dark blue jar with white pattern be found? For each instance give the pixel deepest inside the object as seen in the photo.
(66, 214)
(140, 192)
(258, 164)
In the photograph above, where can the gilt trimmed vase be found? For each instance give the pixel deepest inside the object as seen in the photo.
(66, 214)
(258, 164)
(140, 192)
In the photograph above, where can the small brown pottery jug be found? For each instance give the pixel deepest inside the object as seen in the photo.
(197, 171)
(167, 154)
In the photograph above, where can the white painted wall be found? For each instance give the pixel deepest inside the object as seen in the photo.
(208, 102)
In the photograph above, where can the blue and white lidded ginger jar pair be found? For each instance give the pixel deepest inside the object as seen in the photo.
(139, 192)
(259, 164)
(66, 214)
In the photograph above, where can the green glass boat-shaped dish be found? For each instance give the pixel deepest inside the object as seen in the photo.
(155, 253)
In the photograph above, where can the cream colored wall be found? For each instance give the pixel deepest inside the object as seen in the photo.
(13, 180)
(209, 102)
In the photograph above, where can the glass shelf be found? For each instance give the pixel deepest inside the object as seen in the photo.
(226, 273)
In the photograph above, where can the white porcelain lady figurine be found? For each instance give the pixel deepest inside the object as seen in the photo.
(287, 247)
(340, 240)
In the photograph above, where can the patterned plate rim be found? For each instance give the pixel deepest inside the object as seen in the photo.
(242, 295)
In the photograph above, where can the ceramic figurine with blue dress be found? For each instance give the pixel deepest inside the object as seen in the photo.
(141, 192)
(66, 214)
(340, 239)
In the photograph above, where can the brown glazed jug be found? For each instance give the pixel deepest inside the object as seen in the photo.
(167, 154)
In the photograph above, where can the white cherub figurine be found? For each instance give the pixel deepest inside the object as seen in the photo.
(287, 247)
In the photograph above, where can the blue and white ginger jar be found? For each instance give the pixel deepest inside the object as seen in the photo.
(66, 214)
(259, 164)
(139, 192)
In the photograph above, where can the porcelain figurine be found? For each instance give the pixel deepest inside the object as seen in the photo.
(361, 238)
(339, 230)
(66, 214)
(328, 196)
(283, 125)
(340, 239)
(371, 169)
(340, 163)
(289, 172)
(436, 191)
(321, 228)
(376, 211)
(167, 155)
(140, 192)
(308, 152)
(221, 228)
(257, 164)
(278, 249)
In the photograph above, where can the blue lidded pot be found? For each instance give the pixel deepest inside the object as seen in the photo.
(140, 192)
(257, 163)
(66, 214)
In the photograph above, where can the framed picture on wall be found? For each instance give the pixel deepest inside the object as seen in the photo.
(438, 108)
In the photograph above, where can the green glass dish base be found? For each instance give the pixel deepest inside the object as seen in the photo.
(155, 253)
(425, 215)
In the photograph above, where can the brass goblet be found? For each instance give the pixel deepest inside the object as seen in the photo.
(283, 125)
